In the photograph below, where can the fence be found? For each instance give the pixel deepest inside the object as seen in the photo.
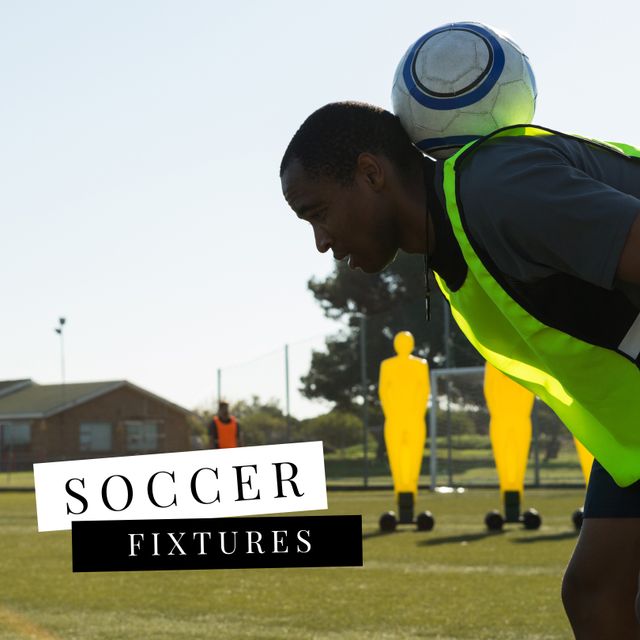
(274, 377)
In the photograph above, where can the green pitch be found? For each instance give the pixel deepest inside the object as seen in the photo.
(455, 582)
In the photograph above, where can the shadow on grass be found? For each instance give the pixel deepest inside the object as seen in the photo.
(468, 537)
(378, 534)
(550, 537)
(410, 528)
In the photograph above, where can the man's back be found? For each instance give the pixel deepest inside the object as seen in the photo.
(540, 205)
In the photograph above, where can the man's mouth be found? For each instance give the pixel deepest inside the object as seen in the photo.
(353, 264)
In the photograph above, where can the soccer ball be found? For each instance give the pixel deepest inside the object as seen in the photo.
(459, 82)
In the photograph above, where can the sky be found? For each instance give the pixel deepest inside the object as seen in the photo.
(140, 143)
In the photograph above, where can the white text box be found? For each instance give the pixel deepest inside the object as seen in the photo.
(211, 483)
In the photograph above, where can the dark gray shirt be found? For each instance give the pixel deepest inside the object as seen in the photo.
(546, 204)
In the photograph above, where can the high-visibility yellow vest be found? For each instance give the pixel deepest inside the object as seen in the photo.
(591, 382)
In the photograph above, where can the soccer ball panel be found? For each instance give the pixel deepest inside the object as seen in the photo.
(514, 104)
(450, 61)
(475, 121)
(438, 120)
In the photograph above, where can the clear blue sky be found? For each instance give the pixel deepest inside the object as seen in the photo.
(139, 149)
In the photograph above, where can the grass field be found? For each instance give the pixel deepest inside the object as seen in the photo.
(469, 466)
(455, 582)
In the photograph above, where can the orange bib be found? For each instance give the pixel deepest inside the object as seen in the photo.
(227, 432)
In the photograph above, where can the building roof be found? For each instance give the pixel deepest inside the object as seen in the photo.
(44, 400)
(10, 386)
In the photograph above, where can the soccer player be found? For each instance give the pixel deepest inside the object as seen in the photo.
(224, 430)
(534, 237)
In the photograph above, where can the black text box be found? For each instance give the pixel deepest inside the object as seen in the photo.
(220, 543)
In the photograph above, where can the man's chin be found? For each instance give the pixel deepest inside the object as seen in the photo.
(371, 266)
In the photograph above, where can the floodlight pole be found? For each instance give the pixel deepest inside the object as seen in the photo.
(59, 331)
(287, 398)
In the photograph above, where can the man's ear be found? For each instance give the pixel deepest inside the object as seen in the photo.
(370, 169)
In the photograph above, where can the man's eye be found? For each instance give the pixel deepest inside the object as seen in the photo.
(318, 216)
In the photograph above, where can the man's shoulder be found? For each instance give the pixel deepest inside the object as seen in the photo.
(515, 166)
(496, 155)
(502, 152)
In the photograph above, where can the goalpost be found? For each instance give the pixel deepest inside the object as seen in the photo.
(436, 375)
(459, 442)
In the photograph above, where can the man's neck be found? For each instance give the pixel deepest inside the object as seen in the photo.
(413, 216)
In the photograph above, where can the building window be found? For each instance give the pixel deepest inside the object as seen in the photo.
(95, 436)
(142, 435)
(15, 434)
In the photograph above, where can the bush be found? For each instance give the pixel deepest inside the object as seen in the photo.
(460, 422)
(337, 429)
(262, 422)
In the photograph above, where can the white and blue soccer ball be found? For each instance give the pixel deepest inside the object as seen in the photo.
(459, 82)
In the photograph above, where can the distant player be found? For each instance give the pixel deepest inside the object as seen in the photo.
(224, 430)
(534, 237)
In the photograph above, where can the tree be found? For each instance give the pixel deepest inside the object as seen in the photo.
(391, 301)
(337, 429)
(263, 422)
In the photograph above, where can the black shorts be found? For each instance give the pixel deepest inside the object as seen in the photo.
(605, 499)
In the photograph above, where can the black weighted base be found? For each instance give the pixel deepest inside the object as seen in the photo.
(511, 506)
(389, 521)
(577, 517)
(405, 507)
(530, 519)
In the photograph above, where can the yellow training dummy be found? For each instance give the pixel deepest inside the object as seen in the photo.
(404, 393)
(510, 407)
(586, 460)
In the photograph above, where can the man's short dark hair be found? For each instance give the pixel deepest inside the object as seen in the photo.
(330, 140)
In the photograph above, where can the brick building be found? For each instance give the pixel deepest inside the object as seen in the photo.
(42, 423)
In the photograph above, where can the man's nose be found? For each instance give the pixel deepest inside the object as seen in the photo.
(323, 241)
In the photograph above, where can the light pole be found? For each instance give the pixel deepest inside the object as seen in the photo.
(58, 330)
(287, 398)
